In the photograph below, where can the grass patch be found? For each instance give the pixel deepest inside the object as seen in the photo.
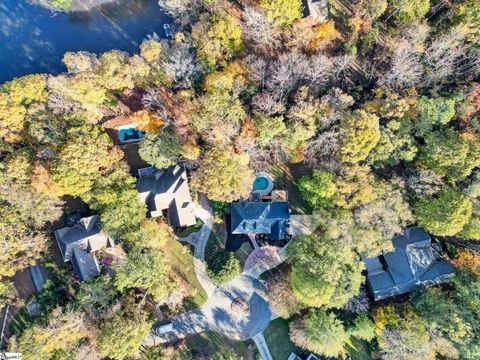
(358, 349)
(185, 231)
(204, 345)
(286, 177)
(278, 340)
(214, 245)
(20, 322)
(181, 258)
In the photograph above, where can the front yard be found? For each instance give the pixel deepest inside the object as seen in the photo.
(204, 345)
(181, 258)
(278, 340)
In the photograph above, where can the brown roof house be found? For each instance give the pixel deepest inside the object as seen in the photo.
(78, 244)
(167, 190)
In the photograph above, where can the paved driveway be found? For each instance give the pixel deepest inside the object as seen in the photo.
(217, 315)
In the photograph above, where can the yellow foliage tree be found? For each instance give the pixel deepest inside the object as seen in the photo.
(323, 33)
(469, 259)
(223, 175)
(282, 12)
(147, 121)
(361, 132)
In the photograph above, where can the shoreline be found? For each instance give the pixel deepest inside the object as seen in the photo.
(78, 5)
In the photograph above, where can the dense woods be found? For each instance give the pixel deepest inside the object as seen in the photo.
(380, 103)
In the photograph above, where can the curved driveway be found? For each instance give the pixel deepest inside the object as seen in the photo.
(216, 314)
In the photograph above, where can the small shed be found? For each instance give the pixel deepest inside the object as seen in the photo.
(315, 11)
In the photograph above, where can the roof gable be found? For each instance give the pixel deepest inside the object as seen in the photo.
(168, 190)
(410, 265)
(85, 235)
(84, 264)
(271, 218)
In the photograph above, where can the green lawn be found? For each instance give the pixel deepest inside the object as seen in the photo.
(185, 231)
(286, 177)
(278, 340)
(204, 345)
(214, 245)
(19, 322)
(358, 349)
(181, 258)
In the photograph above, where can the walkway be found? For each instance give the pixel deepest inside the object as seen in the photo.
(262, 346)
(261, 267)
(199, 240)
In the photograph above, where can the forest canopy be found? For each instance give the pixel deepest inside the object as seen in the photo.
(378, 105)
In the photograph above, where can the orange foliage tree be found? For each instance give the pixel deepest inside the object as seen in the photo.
(147, 121)
(469, 259)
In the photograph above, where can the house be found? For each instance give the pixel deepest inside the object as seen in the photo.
(315, 11)
(294, 356)
(167, 190)
(412, 264)
(78, 244)
(270, 218)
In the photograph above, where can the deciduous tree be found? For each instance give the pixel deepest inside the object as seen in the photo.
(64, 331)
(318, 189)
(160, 149)
(320, 332)
(408, 11)
(147, 270)
(87, 154)
(16, 97)
(282, 12)
(121, 336)
(324, 271)
(446, 214)
(223, 175)
(361, 132)
(396, 144)
(451, 154)
(218, 39)
(433, 113)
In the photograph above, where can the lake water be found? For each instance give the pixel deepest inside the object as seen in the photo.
(34, 39)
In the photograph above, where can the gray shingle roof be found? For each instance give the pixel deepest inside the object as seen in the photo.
(412, 264)
(168, 190)
(85, 264)
(77, 242)
(317, 9)
(271, 218)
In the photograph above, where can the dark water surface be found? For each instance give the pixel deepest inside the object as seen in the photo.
(34, 39)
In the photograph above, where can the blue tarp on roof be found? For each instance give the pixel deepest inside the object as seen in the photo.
(412, 264)
(270, 218)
